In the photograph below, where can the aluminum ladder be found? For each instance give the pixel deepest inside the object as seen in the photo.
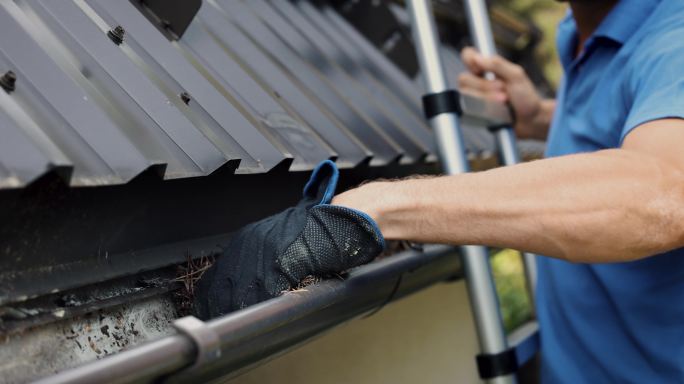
(500, 356)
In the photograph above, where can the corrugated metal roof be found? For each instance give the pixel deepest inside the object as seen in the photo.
(256, 82)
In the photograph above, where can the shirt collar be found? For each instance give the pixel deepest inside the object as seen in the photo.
(624, 19)
(566, 40)
(618, 26)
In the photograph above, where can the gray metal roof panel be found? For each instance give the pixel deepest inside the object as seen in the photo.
(52, 134)
(17, 118)
(358, 49)
(294, 135)
(384, 149)
(264, 85)
(21, 159)
(254, 150)
(379, 65)
(89, 130)
(320, 36)
(355, 94)
(153, 124)
(286, 89)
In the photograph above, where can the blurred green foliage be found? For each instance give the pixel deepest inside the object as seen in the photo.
(507, 267)
(545, 14)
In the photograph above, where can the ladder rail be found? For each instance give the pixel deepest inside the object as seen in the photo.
(481, 33)
(451, 150)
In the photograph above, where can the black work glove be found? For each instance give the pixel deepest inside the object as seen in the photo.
(273, 255)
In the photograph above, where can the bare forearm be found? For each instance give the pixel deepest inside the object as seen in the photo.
(612, 205)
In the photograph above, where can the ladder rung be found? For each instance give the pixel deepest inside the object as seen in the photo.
(525, 341)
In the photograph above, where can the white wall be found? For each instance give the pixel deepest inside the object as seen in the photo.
(427, 338)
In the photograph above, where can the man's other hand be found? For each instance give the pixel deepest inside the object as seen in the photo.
(512, 85)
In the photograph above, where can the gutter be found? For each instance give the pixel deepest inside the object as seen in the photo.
(227, 346)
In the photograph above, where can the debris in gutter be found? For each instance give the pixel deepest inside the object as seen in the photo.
(189, 274)
(307, 281)
(392, 247)
(81, 301)
(75, 340)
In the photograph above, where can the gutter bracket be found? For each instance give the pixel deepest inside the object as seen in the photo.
(206, 340)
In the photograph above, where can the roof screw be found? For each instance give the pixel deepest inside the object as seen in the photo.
(117, 34)
(185, 97)
(8, 81)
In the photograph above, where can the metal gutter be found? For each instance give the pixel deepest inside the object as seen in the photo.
(254, 334)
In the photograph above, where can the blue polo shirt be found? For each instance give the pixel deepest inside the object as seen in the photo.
(621, 322)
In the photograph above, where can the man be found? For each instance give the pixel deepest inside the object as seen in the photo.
(609, 198)
(606, 207)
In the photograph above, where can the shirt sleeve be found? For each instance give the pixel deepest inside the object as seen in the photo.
(656, 87)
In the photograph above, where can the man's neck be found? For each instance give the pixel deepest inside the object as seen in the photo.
(588, 16)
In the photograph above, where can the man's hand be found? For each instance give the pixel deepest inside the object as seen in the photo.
(273, 255)
(512, 85)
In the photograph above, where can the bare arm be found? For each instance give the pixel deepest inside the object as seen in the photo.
(608, 206)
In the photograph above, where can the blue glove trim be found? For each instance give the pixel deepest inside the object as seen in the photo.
(370, 220)
(325, 169)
